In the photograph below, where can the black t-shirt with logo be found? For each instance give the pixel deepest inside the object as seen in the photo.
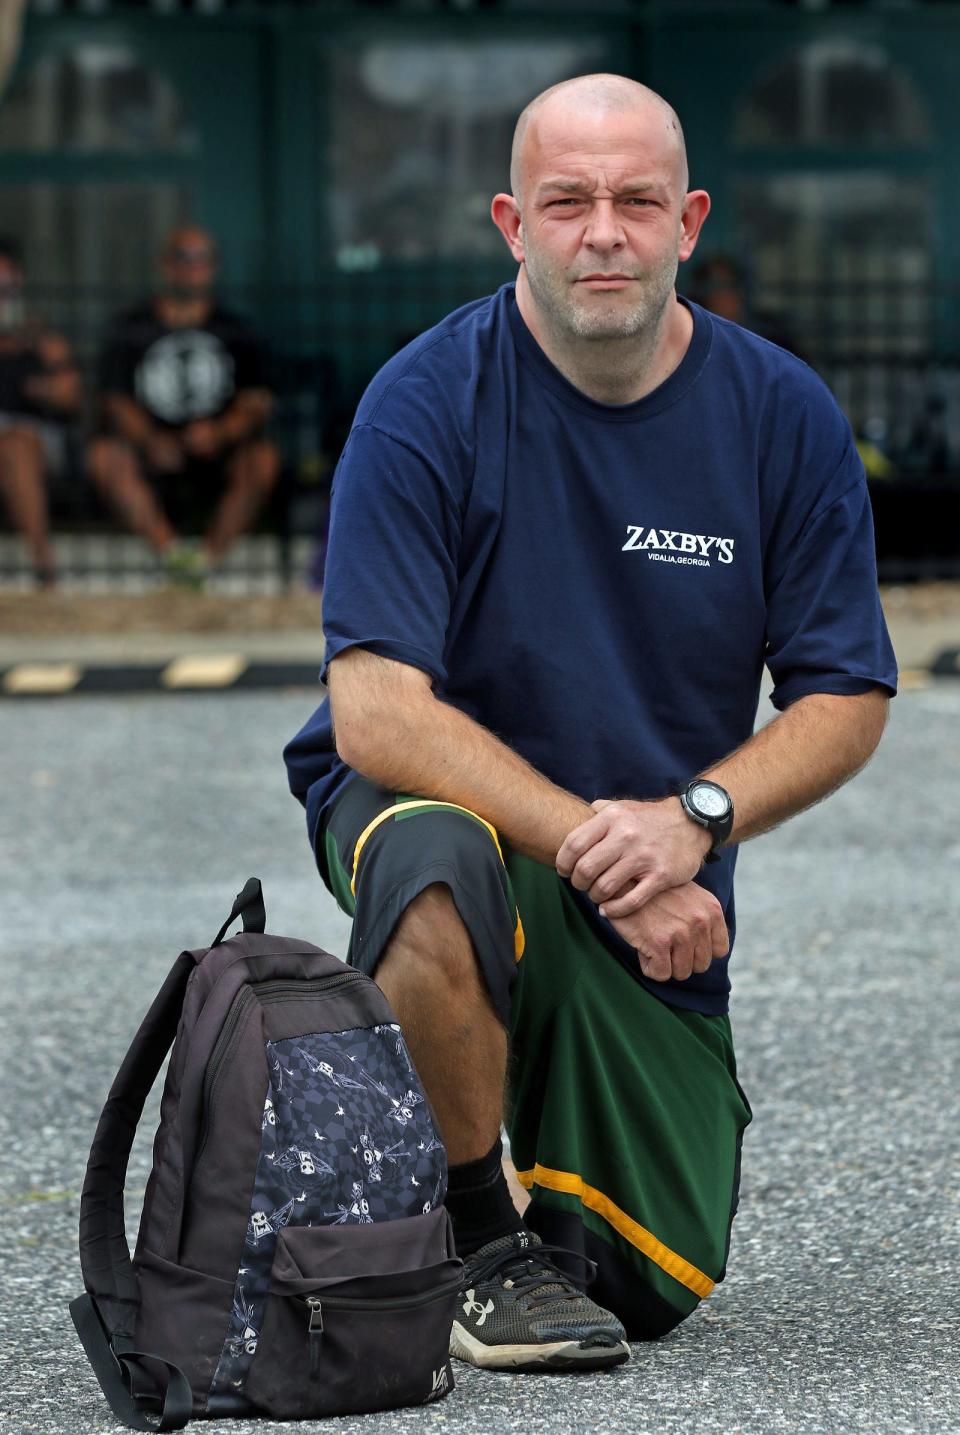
(180, 375)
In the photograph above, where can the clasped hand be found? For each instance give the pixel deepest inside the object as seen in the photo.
(636, 860)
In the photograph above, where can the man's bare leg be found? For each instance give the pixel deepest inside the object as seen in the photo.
(516, 1310)
(115, 472)
(459, 1046)
(251, 476)
(21, 481)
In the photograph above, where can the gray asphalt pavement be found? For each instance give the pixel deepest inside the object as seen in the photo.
(129, 824)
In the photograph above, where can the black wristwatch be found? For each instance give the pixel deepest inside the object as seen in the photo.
(710, 806)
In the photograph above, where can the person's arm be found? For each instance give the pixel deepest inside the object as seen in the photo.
(389, 726)
(130, 420)
(58, 388)
(246, 416)
(243, 420)
(829, 654)
(806, 753)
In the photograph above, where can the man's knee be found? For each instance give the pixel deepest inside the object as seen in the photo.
(431, 937)
(107, 460)
(22, 448)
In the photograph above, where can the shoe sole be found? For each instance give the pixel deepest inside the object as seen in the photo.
(556, 1355)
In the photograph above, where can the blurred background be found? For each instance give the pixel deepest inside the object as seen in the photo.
(334, 163)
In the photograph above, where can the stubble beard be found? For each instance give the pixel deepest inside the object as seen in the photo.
(557, 299)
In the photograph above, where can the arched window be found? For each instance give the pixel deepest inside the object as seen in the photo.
(90, 227)
(420, 140)
(96, 99)
(835, 192)
(833, 92)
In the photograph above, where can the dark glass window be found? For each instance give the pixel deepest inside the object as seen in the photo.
(421, 140)
(97, 99)
(833, 92)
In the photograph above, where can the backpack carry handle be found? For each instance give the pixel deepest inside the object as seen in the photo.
(248, 905)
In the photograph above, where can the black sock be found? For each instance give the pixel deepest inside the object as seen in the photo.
(479, 1201)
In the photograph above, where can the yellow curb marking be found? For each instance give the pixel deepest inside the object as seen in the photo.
(204, 670)
(41, 678)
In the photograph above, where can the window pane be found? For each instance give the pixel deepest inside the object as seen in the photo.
(421, 141)
(98, 99)
(863, 238)
(90, 247)
(833, 92)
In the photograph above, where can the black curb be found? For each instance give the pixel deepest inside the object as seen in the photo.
(148, 678)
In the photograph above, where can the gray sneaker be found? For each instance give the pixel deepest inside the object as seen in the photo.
(517, 1310)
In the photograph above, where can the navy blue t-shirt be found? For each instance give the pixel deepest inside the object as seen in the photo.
(601, 585)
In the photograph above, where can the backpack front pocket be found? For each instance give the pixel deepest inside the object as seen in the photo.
(357, 1319)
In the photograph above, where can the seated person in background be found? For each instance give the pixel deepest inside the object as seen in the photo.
(39, 391)
(184, 405)
(719, 283)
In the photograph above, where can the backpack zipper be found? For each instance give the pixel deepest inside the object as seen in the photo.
(278, 989)
(315, 1306)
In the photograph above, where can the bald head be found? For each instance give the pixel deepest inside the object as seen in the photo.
(188, 237)
(588, 100)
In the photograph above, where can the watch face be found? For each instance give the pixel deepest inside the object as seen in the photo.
(708, 800)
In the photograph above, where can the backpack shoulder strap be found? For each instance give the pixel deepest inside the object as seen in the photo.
(108, 1272)
(117, 1374)
(106, 1316)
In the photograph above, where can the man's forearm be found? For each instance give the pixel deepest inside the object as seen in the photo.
(245, 417)
(130, 420)
(425, 746)
(807, 752)
(629, 851)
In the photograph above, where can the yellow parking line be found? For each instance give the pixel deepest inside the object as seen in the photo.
(41, 678)
(203, 670)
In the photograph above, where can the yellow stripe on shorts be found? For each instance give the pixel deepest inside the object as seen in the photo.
(645, 1241)
(425, 802)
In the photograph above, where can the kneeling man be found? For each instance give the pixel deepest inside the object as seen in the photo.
(570, 525)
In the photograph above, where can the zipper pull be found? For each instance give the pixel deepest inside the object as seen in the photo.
(315, 1335)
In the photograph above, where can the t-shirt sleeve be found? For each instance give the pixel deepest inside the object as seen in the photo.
(391, 567)
(826, 631)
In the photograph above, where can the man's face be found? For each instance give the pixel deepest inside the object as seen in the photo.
(601, 209)
(190, 265)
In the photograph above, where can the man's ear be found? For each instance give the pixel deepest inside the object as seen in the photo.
(696, 207)
(505, 213)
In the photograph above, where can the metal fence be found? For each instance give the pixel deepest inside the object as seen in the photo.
(890, 353)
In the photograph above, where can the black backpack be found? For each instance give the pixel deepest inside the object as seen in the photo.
(295, 1258)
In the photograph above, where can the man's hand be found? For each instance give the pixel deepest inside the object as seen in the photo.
(677, 932)
(203, 438)
(630, 851)
(164, 453)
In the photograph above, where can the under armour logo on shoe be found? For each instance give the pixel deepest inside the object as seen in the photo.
(472, 1306)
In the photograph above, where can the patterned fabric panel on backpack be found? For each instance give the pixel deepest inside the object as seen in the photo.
(347, 1137)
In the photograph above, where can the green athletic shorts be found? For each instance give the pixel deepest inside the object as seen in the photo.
(626, 1116)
